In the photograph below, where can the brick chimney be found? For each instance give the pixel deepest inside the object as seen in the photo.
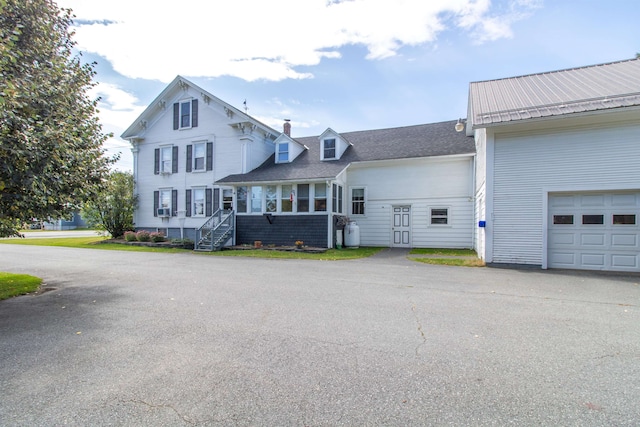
(287, 127)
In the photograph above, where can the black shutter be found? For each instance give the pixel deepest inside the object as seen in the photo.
(174, 160)
(194, 113)
(189, 157)
(176, 116)
(156, 202)
(209, 156)
(187, 200)
(156, 164)
(174, 202)
(216, 199)
(207, 197)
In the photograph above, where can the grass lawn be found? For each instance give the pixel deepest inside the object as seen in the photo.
(459, 257)
(94, 242)
(12, 285)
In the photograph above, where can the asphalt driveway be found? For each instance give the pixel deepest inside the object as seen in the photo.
(187, 339)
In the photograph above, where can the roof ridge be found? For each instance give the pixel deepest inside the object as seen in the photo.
(383, 129)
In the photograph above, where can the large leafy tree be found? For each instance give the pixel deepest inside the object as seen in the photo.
(51, 155)
(112, 210)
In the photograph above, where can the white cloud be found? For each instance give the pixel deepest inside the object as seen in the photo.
(258, 39)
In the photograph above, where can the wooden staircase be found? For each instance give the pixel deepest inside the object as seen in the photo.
(216, 231)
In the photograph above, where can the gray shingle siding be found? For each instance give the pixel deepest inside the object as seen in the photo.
(283, 230)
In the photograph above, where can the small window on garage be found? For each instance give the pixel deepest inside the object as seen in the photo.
(439, 216)
(563, 219)
(592, 219)
(624, 219)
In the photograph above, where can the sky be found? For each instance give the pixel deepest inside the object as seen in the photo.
(345, 64)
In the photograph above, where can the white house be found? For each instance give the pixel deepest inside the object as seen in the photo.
(207, 171)
(558, 168)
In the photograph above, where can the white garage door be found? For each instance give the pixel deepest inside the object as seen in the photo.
(594, 231)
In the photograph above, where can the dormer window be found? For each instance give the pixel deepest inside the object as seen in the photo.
(329, 149)
(283, 152)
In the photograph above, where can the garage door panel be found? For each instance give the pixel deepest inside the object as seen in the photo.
(563, 239)
(624, 240)
(594, 231)
(592, 260)
(564, 259)
(624, 261)
(588, 239)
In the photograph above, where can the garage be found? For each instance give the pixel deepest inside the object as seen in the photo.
(594, 231)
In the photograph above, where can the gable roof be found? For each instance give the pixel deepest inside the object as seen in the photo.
(159, 104)
(575, 90)
(428, 140)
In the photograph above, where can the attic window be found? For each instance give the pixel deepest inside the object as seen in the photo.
(283, 152)
(329, 149)
(185, 114)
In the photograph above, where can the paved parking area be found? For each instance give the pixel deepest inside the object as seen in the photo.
(189, 339)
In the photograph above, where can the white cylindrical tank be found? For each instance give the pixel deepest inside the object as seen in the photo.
(352, 235)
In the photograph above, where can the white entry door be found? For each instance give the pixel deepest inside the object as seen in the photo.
(401, 229)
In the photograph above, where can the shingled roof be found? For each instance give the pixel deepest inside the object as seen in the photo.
(428, 140)
(576, 90)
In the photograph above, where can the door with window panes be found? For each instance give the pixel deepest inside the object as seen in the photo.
(401, 226)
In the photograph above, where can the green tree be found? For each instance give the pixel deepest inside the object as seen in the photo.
(51, 155)
(112, 210)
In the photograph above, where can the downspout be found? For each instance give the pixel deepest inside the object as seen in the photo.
(330, 231)
(135, 150)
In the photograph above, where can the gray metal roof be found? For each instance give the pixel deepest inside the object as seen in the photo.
(576, 90)
(435, 139)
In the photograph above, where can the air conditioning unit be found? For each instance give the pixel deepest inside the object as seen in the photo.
(164, 212)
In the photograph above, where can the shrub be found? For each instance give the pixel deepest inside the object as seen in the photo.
(186, 243)
(143, 236)
(157, 237)
(130, 236)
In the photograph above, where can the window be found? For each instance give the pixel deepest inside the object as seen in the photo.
(329, 148)
(563, 219)
(199, 152)
(271, 195)
(165, 199)
(283, 152)
(357, 201)
(256, 199)
(242, 199)
(198, 202)
(286, 200)
(227, 199)
(185, 114)
(320, 198)
(200, 156)
(303, 197)
(165, 203)
(336, 198)
(592, 219)
(439, 216)
(165, 160)
(624, 219)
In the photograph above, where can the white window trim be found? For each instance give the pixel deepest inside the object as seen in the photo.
(193, 157)
(184, 101)
(430, 216)
(335, 149)
(170, 171)
(193, 202)
(288, 160)
(350, 209)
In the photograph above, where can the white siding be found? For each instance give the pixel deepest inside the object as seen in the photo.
(421, 184)
(526, 167)
(214, 125)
